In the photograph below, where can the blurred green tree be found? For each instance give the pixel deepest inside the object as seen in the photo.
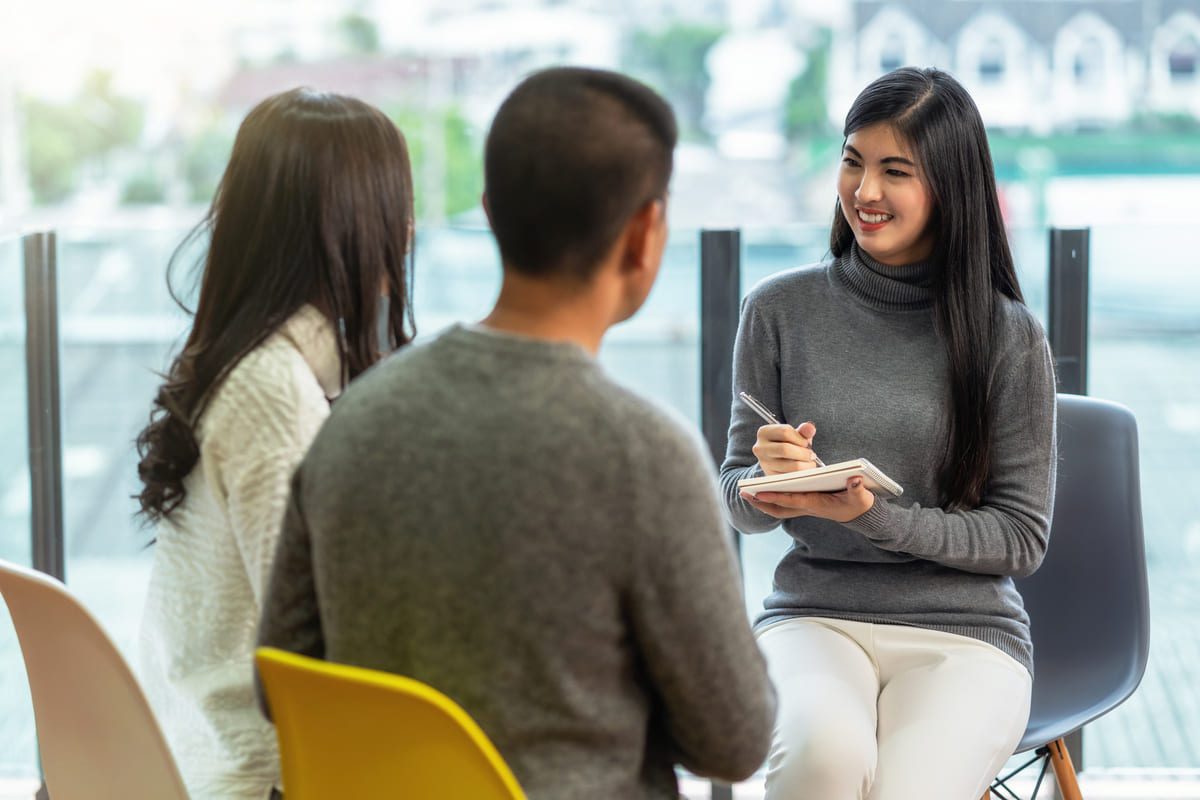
(673, 60)
(359, 34)
(457, 163)
(64, 138)
(204, 157)
(146, 187)
(806, 114)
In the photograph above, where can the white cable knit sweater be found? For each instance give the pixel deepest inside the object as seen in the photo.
(213, 558)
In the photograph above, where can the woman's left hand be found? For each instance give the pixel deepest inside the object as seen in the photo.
(843, 506)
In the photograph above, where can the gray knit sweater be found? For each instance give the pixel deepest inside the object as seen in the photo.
(852, 347)
(494, 516)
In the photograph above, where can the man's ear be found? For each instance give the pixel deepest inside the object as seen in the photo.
(639, 236)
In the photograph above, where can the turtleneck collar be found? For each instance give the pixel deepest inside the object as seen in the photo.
(887, 288)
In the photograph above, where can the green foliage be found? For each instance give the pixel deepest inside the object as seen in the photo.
(204, 158)
(1120, 150)
(464, 165)
(1166, 122)
(144, 188)
(65, 138)
(806, 114)
(458, 177)
(358, 34)
(673, 60)
(54, 154)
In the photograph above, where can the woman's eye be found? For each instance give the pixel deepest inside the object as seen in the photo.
(897, 173)
(849, 162)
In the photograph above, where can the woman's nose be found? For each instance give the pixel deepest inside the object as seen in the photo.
(868, 189)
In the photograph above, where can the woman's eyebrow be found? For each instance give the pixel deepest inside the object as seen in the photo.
(887, 160)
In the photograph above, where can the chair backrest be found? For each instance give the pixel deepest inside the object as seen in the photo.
(351, 732)
(98, 737)
(1088, 604)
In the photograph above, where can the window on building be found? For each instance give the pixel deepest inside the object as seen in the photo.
(992, 61)
(1089, 63)
(1183, 58)
(893, 55)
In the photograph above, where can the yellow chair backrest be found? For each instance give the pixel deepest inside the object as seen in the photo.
(352, 732)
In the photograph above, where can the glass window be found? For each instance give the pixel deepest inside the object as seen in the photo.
(14, 473)
(1181, 63)
(1089, 63)
(119, 328)
(658, 351)
(17, 741)
(992, 61)
(1144, 352)
(893, 54)
(138, 150)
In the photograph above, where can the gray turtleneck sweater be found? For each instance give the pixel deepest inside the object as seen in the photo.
(852, 346)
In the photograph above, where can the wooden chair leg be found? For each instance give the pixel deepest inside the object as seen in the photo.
(1064, 771)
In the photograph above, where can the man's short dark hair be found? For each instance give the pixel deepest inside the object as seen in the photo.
(572, 154)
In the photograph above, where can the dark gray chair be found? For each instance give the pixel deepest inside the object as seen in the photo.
(1088, 603)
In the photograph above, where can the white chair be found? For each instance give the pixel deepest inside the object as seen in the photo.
(98, 737)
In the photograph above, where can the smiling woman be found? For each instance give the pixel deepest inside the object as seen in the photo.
(895, 634)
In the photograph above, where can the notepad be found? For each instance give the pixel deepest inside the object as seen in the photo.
(830, 478)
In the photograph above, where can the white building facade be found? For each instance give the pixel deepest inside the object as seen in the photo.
(1035, 65)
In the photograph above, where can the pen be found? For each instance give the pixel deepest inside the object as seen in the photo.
(766, 414)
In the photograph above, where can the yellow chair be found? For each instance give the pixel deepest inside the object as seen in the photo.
(352, 732)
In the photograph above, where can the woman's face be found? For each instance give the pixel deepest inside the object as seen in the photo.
(884, 196)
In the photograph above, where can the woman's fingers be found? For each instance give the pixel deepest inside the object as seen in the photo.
(772, 510)
(783, 451)
(786, 433)
(851, 503)
(782, 448)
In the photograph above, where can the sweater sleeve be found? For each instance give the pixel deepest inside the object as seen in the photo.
(1008, 532)
(291, 618)
(262, 423)
(755, 371)
(689, 618)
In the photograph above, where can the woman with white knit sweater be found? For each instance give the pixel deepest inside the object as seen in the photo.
(310, 224)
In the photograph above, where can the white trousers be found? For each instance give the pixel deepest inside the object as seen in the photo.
(889, 712)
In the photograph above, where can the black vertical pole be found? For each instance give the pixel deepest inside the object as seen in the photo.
(720, 296)
(44, 409)
(1068, 334)
(1068, 312)
(45, 432)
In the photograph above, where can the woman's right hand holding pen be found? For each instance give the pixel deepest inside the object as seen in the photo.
(782, 448)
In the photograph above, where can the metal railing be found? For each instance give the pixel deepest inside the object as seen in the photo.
(720, 295)
(44, 402)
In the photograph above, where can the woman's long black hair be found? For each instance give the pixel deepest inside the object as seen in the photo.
(315, 207)
(973, 265)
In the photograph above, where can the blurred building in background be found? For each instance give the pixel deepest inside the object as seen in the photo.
(1036, 65)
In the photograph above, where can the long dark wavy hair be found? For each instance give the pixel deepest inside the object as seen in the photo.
(972, 263)
(315, 207)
